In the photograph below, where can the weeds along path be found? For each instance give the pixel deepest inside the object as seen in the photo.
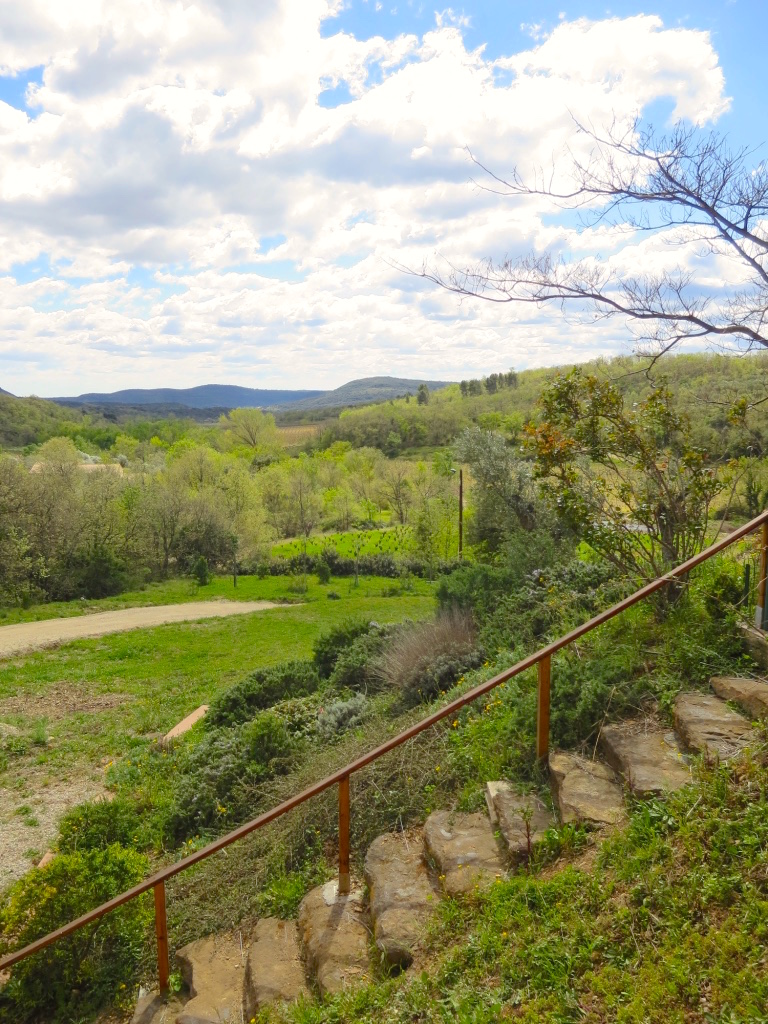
(32, 636)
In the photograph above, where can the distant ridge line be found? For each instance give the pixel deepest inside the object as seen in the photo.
(233, 396)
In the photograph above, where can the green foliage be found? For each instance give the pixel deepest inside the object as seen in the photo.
(339, 715)
(322, 571)
(216, 777)
(260, 690)
(505, 497)
(98, 824)
(629, 480)
(354, 668)
(200, 571)
(91, 573)
(77, 975)
(330, 644)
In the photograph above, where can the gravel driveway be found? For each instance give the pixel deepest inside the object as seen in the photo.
(31, 636)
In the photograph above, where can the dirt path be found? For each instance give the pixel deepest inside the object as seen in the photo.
(31, 636)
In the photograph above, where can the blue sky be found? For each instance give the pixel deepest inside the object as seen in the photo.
(241, 178)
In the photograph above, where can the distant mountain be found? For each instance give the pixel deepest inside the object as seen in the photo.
(205, 396)
(6, 393)
(231, 396)
(367, 390)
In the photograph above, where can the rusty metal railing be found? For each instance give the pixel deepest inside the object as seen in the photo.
(542, 659)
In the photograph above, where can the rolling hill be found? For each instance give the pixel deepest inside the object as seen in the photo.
(231, 396)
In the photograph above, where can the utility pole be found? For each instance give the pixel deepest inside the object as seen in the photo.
(461, 512)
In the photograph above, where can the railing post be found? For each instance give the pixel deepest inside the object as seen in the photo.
(542, 718)
(760, 610)
(344, 836)
(161, 931)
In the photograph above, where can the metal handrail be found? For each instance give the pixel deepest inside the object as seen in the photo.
(541, 658)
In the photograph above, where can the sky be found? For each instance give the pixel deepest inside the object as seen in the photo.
(222, 191)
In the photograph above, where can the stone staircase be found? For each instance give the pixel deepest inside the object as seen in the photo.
(341, 940)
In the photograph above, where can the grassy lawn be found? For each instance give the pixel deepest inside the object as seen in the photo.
(180, 591)
(99, 698)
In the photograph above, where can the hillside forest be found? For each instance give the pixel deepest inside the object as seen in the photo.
(90, 508)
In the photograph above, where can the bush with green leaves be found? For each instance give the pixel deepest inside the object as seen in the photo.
(97, 824)
(330, 644)
(74, 977)
(260, 690)
(299, 714)
(322, 571)
(216, 777)
(200, 571)
(340, 715)
(355, 665)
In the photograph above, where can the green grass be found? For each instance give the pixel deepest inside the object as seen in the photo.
(104, 697)
(175, 591)
(394, 541)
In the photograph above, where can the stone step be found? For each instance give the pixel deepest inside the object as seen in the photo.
(751, 694)
(464, 850)
(649, 758)
(756, 643)
(153, 1008)
(708, 726)
(401, 894)
(585, 791)
(334, 931)
(274, 971)
(213, 969)
(508, 810)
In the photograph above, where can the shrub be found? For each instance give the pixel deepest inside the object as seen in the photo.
(200, 571)
(73, 977)
(267, 740)
(322, 571)
(97, 824)
(216, 778)
(340, 715)
(421, 659)
(354, 668)
(260, 690)
(299, 714)
(330, 644)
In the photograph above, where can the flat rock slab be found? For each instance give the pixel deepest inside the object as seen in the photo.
(185, 724)
(152, 1008)
(650, 759)
(707, 725)
(273, 970)
(213, 968)
(751, 694)
(585, 790)
(401, 895)
(465, 850)
(334, 931)
(522, 819)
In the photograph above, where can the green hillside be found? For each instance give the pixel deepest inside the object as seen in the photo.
(707, 387)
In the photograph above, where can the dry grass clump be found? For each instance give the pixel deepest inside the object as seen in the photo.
(422, 659)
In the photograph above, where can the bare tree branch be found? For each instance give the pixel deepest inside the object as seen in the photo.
(689, 189)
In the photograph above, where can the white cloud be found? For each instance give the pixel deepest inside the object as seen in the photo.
(174, 143)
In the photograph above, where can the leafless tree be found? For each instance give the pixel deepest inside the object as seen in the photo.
(693, 192)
